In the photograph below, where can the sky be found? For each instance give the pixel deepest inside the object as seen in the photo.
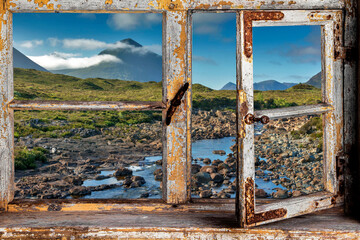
(57, 41)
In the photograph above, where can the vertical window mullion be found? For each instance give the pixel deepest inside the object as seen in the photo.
(6, 114)
(176, 160)
(245, 206)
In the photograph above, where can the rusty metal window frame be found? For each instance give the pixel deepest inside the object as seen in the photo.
(176, 72)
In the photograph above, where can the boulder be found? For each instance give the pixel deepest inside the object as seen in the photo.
(122, 172)
(202, 177)
(216, 177)
(260, 193)
(281, 194)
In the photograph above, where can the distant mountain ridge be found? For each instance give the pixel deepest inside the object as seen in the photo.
(137, 64)
(22, 61)
(269, 85)
(262, 86)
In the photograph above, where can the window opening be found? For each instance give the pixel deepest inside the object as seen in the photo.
(287, 73)
(87, 154)
(214, 103)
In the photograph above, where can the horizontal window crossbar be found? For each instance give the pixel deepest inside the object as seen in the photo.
(295, 111)
(85, 105)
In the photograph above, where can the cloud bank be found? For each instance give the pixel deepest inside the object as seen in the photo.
(31, 43)
(57, 61)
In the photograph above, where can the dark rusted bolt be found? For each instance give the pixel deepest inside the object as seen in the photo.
(265, 120)
(250, 119)
(171, 6)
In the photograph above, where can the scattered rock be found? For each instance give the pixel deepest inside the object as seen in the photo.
(219, 152)
(122, 172)
(281, 194)
(79, 191)
(260, 193)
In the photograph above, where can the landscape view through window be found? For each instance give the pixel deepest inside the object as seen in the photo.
(117, 57)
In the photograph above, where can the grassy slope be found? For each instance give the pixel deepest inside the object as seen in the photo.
(32, 84)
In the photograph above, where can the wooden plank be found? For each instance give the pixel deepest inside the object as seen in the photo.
(175, 156)
(158, 5)
(297, 206)
(136, 205)
(85, 105)
(6, 114)
(295, 111)
(332, 94)
(245, 137)
(328, 224)
(296, 18)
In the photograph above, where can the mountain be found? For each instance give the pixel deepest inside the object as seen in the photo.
(315, 80)
(229, 86)
(137, 64)
(262, 86)
(22, 61)
(271, 85)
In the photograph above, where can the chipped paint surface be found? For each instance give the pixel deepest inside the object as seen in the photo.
(6, 115)
(249, 17)
(85, 106)
(159, 5)
(250, 214)
(176, 73)
(175, 189)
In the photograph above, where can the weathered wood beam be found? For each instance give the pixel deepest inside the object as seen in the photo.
(85, 105)
(6, 114)
(295, 111)
(160, 5)
(176, 160)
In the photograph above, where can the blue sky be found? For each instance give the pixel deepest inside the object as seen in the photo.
(285, 54)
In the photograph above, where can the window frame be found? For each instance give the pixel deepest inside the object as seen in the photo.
(332, 108)
(176, 72)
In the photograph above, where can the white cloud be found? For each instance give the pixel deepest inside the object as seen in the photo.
(65, 55)
(53, 41)
(56, 60)
(31, 43)
(156, 48)
(129, 21)
(92, 44)
(84, 44)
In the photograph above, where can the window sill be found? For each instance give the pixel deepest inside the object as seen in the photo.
(119, 224)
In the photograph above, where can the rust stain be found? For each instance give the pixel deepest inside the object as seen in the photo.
(244, 109)
(251, 216)
(292, 2)
(216, 5)
(269, 215)
(249, 200)
(249, 17)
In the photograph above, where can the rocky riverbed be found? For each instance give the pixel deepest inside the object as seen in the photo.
(292, 166)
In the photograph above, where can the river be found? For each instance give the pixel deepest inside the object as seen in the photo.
(200, 149)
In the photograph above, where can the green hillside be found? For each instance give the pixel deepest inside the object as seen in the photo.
(32, 84)
(36, 85)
